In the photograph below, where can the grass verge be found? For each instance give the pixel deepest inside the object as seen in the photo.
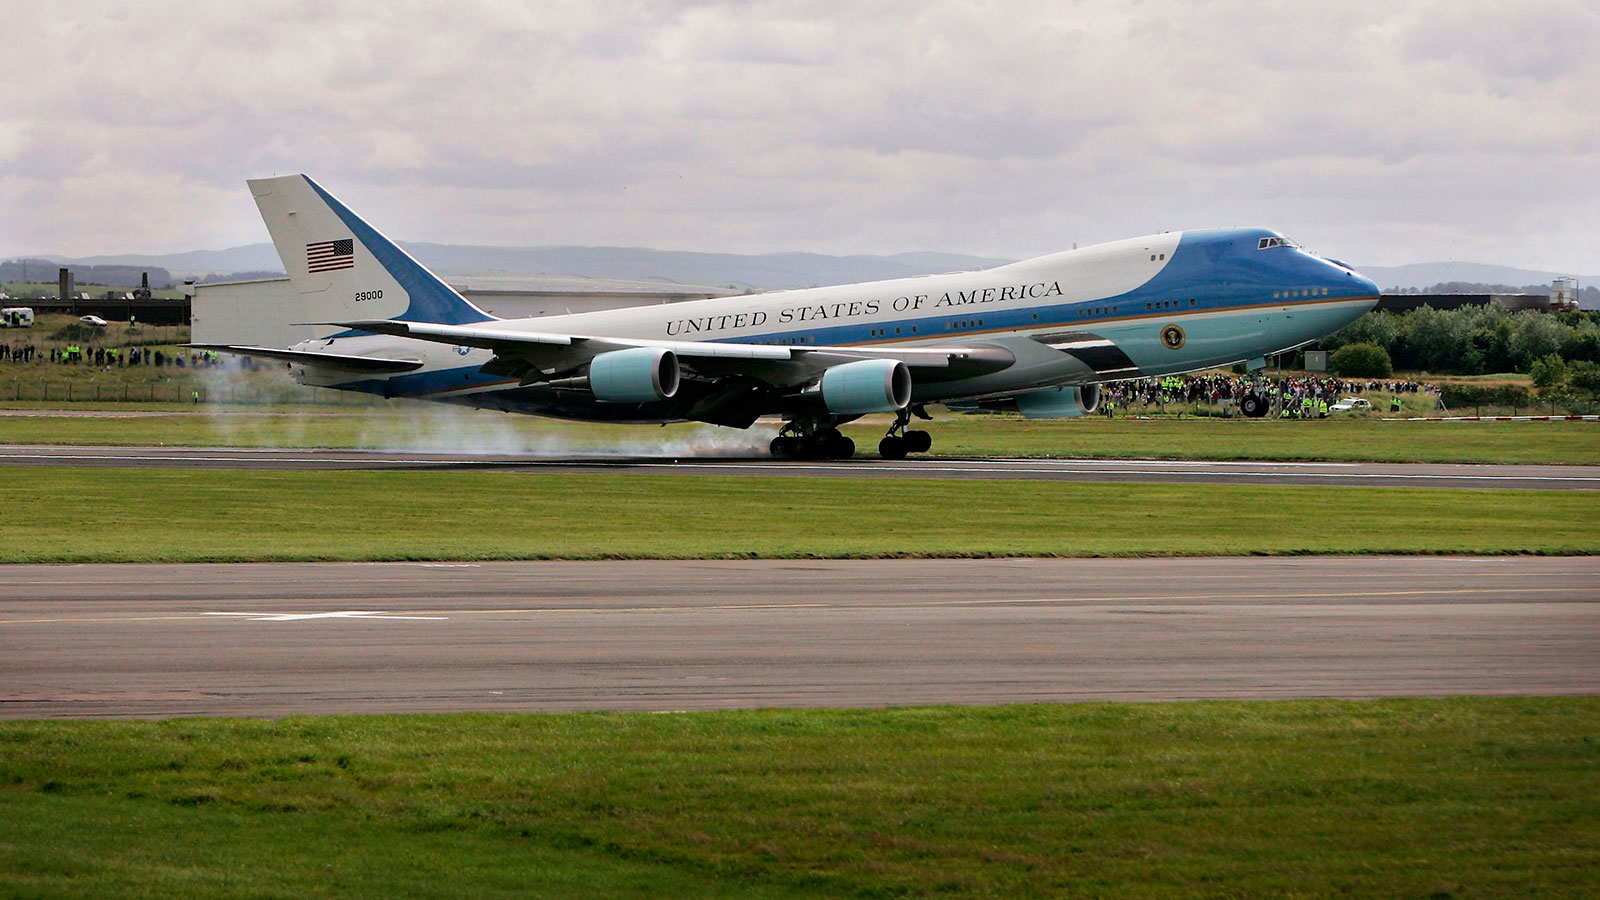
(414, 427)
(1453, 798)
(129, 515)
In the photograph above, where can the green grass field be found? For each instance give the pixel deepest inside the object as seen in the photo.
(1457, 798)
(124, 515)
(418, 427)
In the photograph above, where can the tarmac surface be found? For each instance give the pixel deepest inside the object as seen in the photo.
(1526, 477)
(281, 639)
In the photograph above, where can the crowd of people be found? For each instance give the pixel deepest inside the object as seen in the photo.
(1290, 397)
(117, 357)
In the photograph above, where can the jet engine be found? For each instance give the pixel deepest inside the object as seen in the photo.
(635, 375)
(1059, 402)
(868, 386)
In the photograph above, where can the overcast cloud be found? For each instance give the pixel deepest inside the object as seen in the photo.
(1382, 132)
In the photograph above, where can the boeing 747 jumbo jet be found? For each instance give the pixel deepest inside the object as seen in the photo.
(1037, 336)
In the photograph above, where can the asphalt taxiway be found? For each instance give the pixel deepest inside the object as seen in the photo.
(1527, 477)
(280, 639)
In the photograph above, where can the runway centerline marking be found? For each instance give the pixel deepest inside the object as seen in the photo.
(342, 614)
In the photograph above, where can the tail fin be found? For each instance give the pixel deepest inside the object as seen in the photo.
(343, 268)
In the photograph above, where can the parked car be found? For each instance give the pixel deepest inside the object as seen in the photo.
(96, 321)
(1350, 404)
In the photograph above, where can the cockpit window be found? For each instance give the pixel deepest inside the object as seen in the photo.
(1266, 242)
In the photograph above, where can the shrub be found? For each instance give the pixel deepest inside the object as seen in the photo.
(1548, 372)
(1361, 360)
(1456, 396)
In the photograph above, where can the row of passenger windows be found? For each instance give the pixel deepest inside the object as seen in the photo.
(1169, 304)
(1155, 256)
(884, 332)
(1098, 311)
(1307, 292)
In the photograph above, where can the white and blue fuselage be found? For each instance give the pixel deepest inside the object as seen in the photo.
(1158, 305)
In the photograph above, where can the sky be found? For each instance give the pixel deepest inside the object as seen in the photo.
(1381, 133)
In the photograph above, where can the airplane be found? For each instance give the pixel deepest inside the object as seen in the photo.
(1038, 336)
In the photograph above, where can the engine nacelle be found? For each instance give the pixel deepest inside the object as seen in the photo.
(635, 375)
(1059, 402)
(868, 386)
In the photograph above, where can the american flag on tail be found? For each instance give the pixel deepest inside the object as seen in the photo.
(325, 256)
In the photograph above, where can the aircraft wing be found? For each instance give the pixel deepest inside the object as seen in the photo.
(535, 356)
(371, 364)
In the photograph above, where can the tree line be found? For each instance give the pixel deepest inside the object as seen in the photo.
(1474, 340)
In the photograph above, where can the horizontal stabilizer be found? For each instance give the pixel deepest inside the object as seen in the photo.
(372, 364)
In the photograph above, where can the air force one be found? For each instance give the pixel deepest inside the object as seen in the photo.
(1037, 336)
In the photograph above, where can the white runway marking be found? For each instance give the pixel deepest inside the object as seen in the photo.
(343, 614)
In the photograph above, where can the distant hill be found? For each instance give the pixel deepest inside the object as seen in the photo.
(39, 270)
(1421, 275)
(767, 270)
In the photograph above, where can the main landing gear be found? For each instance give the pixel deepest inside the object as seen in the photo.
(813, 439)
(804, 439)
(1253, 405)
(901, 440)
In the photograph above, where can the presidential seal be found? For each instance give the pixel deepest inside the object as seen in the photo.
(1172, 336)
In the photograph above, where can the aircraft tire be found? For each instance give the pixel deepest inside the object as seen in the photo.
(784, 448)
(892, 447)
(841, 448)
(1253, 406)
(918, 441)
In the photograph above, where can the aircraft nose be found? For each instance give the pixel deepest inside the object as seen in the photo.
(1365, 285)
(1351, 282)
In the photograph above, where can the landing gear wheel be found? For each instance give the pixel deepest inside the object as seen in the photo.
(1253, 406)
(785, 448)
(892, 447)
(918, 441)
(831, 444)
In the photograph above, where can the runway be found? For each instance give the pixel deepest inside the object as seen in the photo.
(281, 639)
(1524, 477)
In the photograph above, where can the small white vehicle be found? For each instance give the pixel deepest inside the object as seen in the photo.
(1350, 404)
(16, 317)
(96, 321)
